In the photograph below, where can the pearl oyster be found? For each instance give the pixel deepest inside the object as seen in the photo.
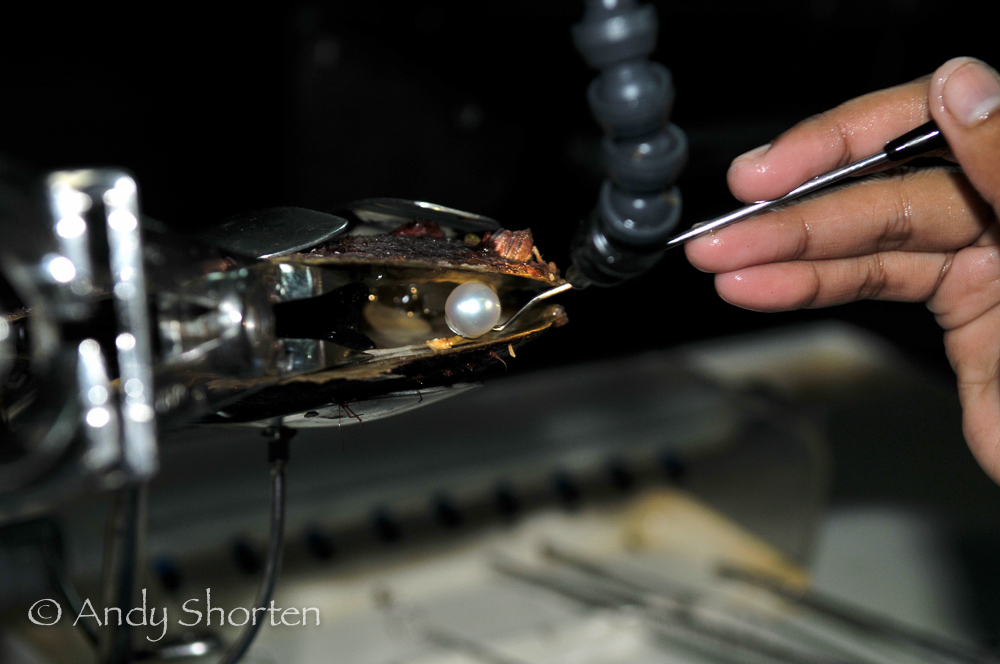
(367, 308)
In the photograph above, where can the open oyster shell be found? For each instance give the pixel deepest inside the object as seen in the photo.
(371, 302)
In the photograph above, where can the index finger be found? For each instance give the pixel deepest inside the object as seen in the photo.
(851, 131)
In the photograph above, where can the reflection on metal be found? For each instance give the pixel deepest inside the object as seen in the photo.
(117, 191)
(187, 647)
(754, 209)
(274, 232)
(6, 346)
(381, 215)
(122, 564)
(218, 324)
(925, 139)
(74, 258)
(532, 302)
(102, 421)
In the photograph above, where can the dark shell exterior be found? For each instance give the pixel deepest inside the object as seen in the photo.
(425, 250)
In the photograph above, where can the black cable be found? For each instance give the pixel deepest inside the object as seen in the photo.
(277, 454)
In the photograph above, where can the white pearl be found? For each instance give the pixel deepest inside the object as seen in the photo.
(472, 309)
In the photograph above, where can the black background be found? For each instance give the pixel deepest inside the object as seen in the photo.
(476, 105)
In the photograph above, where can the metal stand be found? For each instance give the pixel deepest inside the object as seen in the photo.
(126, 528)
(277, 455)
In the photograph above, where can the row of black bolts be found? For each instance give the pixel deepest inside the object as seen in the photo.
(248, 558)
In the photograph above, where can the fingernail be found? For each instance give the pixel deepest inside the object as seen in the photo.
(971, 92)
(755, 153)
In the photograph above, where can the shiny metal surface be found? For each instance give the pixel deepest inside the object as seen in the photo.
(295, 356)
(385, 214)
(303, 356)
(101, 421)
(220, 324)
(185, 648)
(274, 231)
(134, 341)
(815, 184)
(6, 346)
(123, 562)
(78, 262)
(562, 288)
(275, 545)
(88, 206)
(297, 282)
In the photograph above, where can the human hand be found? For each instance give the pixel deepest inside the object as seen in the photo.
(928, 235)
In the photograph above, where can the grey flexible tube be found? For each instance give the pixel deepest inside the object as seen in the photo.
(639, 205)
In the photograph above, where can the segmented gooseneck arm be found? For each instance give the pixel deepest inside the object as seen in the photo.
(639, 206)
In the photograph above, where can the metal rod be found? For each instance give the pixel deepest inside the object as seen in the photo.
(684, 601)
(462, 644)
(71, 598)
(748, 637)
(278, 454)
(406, 616)
(815, 184)
(532, 302)
(856, 617)
(593, 568)
(593, 597)
(126, 527)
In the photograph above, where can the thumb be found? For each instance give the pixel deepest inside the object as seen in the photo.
(964, 100)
